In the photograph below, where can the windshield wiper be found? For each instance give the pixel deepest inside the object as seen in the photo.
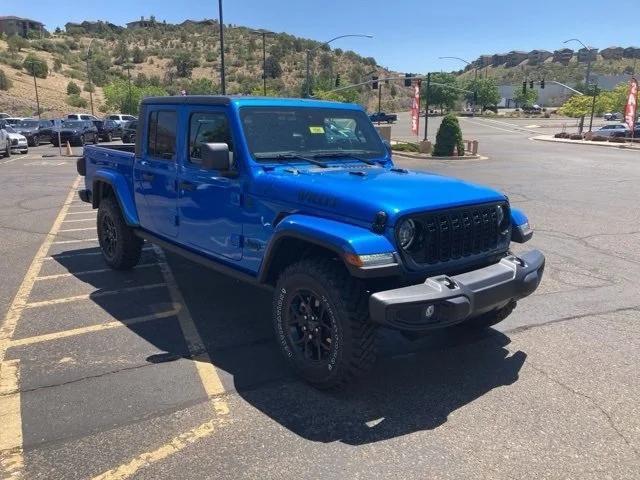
(289, 156)
(340, 153)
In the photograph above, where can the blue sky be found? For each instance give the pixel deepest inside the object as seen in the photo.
(409, 35)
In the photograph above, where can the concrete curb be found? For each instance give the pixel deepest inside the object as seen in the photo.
(423, 156)
(619, 146)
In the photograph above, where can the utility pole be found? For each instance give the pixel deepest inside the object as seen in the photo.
(264, 34)
(379, 101)
(222, 79)
(129, 106)
(593, 105)
(90, 85)
(35, 84)
(426, 106)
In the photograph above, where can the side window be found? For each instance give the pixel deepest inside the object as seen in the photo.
(161, 140)
(207, 128)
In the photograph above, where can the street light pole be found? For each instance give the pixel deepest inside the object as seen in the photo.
(310, 50)
(264, 34)
(587, 76)
(475, 81)
(222, 79)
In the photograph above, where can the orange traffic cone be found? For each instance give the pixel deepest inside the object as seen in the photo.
(69, 151)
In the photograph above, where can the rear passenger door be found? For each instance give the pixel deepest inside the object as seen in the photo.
(155, 173)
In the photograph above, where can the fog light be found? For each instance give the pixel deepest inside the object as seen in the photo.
(429, 311)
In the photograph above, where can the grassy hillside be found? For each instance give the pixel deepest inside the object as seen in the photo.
(168, 58)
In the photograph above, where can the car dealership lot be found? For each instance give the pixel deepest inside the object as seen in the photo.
(171, 370)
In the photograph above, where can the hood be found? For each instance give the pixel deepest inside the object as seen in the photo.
(16, 136)
(360, 193)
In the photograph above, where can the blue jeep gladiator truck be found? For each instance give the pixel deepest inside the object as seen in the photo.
(302, 197)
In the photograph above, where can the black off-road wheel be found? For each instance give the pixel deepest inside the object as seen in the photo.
(489, 319)
(321, 322)
(121, 249)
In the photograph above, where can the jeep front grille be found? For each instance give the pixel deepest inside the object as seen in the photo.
(459, 233)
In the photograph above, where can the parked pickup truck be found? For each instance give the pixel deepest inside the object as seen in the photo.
(261, 190)
(383, 117)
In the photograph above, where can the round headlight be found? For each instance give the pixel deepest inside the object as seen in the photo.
(406, 233)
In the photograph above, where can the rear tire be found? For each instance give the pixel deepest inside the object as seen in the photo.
(489, 319)
(320, 316)
(36, 141)
(121, 249)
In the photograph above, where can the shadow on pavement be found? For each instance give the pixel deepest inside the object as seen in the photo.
(414, 385)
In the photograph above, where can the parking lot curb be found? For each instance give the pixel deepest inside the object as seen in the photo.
(619, 146)
(422, 156)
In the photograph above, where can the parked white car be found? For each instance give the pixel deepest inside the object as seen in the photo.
(81, 116)
(18, 142)
(121, 119)
(12, 120)
(5, 142)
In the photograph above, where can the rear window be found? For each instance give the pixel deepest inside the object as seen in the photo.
(161, 140)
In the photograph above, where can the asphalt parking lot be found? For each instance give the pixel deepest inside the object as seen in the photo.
(171, 371)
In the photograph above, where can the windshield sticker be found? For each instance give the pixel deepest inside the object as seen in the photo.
(316, 130)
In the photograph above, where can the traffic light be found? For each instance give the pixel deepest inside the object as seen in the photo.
(337, 80)
(374, 84)
(524, 88)
(531, 84)
(542, 83)
(407, 79)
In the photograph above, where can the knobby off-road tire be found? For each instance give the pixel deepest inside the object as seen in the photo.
(320, 316)
(121, 249)
(491, 318)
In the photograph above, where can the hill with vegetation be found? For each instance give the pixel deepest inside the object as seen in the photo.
(118, 66)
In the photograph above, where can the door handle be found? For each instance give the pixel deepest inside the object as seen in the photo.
(187, 186)
(148, 176)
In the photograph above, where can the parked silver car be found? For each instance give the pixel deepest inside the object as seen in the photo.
(613, 130)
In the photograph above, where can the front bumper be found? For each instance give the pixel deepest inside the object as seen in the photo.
(442, 300)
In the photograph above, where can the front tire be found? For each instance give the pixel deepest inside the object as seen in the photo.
(320, 316)
(121, 249)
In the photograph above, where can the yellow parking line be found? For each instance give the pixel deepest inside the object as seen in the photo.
(11, 458)
(86, 296)
(78, 229)
(79, 240)
(208, 376)
(92, 328)
(89, 272)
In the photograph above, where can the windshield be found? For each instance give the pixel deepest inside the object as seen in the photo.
(76, 124)
(272, 132)
(28, 123)
(9, 128)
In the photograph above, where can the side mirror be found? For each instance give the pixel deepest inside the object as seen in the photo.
(215, 156)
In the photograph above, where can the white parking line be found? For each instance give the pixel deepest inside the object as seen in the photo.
(78, 229)
(81, 240)
(87, 296)
(83, 254)
(92, 219)
(93, 328)
(78, 212)
(90, 272)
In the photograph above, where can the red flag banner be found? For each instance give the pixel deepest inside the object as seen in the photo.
(415, 110)
(632, 104)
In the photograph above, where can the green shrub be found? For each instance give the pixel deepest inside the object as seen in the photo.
(36, 66)
(73, 89)
(405, 147)
(5, 83)
(76, 101)
(449, 138)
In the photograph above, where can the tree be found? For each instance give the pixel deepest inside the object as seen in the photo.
(449, 138)
(184, 63)
(487, 89)
(137, 56)
(36, 66)
(120, 97)
(526, 97)
(5, 83)
(272, 67)
(73, 88)
(121, 52)
(76, 101)
(439, 95)
(16, 43)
